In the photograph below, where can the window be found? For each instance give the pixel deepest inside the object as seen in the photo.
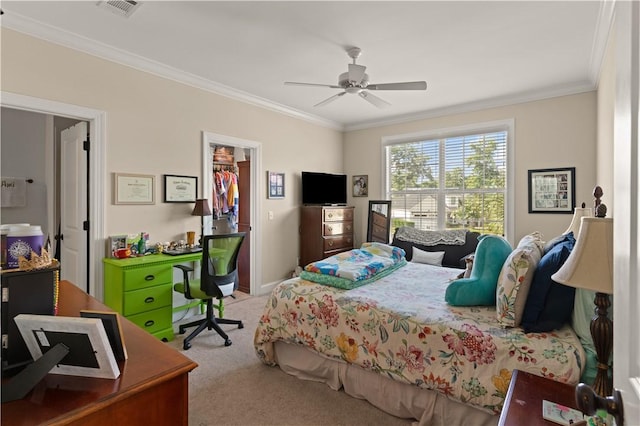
(454, 181)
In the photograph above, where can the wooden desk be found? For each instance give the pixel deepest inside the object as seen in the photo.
(523, 404)
(153, 387)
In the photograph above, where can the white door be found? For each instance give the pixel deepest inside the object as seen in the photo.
(73, 205)
(626, 212)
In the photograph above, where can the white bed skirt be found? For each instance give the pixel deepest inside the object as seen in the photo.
(398, 399)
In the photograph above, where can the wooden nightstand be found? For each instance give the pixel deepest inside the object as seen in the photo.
(523, 404)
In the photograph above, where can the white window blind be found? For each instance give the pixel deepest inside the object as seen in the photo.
(448, 183)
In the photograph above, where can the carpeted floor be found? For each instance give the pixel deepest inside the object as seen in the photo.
(231, 386)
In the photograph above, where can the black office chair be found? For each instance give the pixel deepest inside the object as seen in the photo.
(218, 279)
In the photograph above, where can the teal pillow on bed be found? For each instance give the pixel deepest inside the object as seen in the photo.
(480, 288)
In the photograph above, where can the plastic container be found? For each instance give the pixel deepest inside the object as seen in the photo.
(21, 241)
(4, 231)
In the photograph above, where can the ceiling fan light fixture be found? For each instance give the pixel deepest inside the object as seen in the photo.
(356, 82)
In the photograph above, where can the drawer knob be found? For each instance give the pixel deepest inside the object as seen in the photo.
(330, 215)
(149, 277)
(330, 228)
(149, 323)
(149, 300)
(330, 243)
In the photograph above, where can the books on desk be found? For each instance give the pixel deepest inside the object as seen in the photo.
(176, 252)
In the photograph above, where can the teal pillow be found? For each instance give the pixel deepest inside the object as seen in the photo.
(480, 288)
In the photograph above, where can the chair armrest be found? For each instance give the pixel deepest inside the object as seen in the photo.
(185, 279)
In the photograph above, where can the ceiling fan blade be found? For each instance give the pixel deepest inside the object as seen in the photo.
(294, 83)
(380, 103)
(409, 85)
(356, 72)
(331, 99)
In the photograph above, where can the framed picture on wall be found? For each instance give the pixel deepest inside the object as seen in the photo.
(360, 185)
(275, 182)
(133, 189)
(180, 189)
(552, 190)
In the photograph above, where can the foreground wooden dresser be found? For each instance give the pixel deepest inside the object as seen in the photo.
(324, 231)
(153, 387)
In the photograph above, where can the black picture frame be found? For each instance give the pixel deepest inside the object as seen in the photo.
(552, 190)
(180, 189)
(111, 323)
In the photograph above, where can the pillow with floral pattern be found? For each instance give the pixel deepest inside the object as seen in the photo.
(515, 280)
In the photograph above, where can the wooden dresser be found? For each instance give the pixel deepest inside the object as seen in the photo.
(153, 387)
(324, 231)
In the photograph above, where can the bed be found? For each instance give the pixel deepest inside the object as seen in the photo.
(396, 343)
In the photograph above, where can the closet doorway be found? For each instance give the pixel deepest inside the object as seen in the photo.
(246, 164)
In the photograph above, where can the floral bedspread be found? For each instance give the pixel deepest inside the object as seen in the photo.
(400, 326)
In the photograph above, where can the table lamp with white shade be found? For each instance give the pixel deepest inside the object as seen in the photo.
(578, 213)
(590, 266)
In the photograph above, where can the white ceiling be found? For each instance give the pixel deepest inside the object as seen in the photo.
(472, 54)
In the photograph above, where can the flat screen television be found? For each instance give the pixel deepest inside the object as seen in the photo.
(324, 188)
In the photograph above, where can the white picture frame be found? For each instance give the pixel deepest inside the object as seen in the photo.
(90, 352)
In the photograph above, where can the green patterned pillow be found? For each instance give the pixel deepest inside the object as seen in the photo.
(515, 280)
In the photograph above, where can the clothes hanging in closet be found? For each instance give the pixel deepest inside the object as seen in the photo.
(225, 196)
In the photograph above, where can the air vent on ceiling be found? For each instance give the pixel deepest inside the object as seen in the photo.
(120, 7)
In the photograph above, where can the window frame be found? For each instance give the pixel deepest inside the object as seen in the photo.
(507, 125)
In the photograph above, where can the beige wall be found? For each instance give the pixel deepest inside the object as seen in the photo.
(606, 109)
(154, 127)
(557, 132)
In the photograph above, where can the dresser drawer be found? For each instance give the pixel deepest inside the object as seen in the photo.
(338, 228)
(147, 299)
(147, 277)
(339, 242)
(337, 215)
(153, 321)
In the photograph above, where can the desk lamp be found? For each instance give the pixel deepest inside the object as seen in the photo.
(201, 209)
(590, 266)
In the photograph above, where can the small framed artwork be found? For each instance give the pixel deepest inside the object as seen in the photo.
(552, 190)
(180, 189)
(275, 182)
(90, 352)
(360, 185)
(133, 189)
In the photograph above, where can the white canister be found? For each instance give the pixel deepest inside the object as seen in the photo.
(21, 241)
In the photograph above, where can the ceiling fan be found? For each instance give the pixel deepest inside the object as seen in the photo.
(356, 81)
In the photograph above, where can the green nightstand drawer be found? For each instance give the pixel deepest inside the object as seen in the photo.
(153, 321)
(147, 299)
(147, 277)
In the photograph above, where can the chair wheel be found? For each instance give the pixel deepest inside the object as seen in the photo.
(182, 330)
(241, 325)
(186, 345)
(227, 342)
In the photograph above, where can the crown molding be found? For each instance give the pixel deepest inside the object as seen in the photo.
(64, 38)
(534, 95)
(55, 35)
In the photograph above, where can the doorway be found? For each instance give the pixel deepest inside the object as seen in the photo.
(248, 219)
(94, 251)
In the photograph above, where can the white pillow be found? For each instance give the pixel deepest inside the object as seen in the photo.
(428, 257)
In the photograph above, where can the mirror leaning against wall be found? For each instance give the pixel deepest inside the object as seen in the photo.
(379, 225)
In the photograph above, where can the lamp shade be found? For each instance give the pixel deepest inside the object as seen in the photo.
(590, 264)
(201, 208)
(578, 214)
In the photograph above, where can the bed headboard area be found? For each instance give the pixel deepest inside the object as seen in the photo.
(455, 244)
